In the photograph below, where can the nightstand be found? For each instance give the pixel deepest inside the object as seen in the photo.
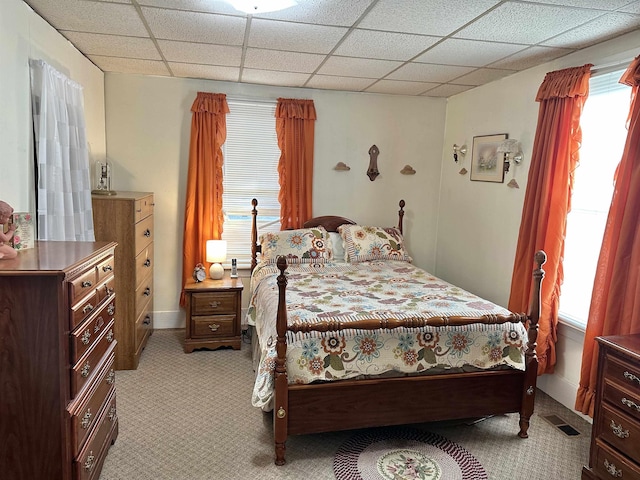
(213, 314)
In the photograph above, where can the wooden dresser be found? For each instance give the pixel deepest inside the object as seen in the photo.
(615, 438)
(57, 382)
(127, 218)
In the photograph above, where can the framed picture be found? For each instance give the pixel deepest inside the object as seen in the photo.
(487, 165)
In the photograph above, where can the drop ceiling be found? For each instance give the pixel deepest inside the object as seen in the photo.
(408, 47)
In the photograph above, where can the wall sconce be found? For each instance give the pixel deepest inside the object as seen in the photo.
(458, 150)
(216, 254)
(512, 152)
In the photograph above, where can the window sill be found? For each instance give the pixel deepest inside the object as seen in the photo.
(572, 328)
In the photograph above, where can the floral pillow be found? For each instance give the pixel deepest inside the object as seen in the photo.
(306, 245)
(373, 243)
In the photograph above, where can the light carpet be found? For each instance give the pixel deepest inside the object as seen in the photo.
(189, 417)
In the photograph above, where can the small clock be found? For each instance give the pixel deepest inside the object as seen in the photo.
(198, 273)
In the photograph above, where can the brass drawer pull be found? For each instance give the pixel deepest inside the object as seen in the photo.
(86, 284)
(111, 308)
(86, 420)
(618, 431)
(630, 404)
(214, 327)
(214, 304)
(85, 370)
(147, 292)
(99, 324)
(110, 336)
(86, 337)
(631, 377)
(88, 465)
(147, 263)
(111, 377)
(87, 308)
(147, 233)
(107, 268)
(112, 413)
(611, 468)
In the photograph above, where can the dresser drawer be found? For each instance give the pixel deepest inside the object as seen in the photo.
(626, 400)
(82, 285)
(213, 303)
(620, 431)
(87, 367)
(106, 288)
(144, 293)
(83, 338)
(144, 326)
(84, 416)
(612, 464)
(623, 373)
(144, 264)
(144, 233)
(88, 463)
(105, 268)
(213, 326)
(143, 208)
(83, 309)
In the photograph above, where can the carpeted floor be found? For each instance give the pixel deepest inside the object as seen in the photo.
(189, 417)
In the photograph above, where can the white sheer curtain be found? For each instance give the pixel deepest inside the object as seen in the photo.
(62, 156)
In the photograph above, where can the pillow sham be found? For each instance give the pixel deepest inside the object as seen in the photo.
(337, 247)
(363, 243)
(305, 245)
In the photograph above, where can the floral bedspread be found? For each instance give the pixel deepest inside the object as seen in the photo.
(375, 289)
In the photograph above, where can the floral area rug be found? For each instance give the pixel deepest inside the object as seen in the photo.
(404, 454)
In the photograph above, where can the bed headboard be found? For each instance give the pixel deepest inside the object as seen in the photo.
(329, 222)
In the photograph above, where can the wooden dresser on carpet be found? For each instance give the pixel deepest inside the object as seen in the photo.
(615, 437)
(127, 218)
(57, 383)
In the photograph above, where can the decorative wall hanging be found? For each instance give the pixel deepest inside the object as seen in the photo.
(342, 167)
(463, 171)
(373, 172)
(487, 164)
(458, 150)
(408, 170)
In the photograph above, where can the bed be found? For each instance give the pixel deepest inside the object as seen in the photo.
(359, 337)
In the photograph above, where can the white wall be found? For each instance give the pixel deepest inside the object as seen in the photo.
(148, 122)
(24, 35)
(479, 221)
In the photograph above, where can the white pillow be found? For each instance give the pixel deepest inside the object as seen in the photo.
(337, 246)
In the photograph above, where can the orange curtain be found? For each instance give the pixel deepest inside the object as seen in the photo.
(295, 122)
(548, 199)
(615, 301)
(203, 207)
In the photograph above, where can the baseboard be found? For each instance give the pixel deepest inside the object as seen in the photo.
(562, 391)
(176, 319)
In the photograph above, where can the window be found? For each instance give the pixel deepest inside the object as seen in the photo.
(250, 170)
(604, 134)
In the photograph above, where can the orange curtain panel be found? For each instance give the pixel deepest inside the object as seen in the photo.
(548, 199)
(615, 301)
(295, 123)
(203, 207)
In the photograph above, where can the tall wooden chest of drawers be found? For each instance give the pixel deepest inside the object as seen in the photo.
(127, 218)
(57, 382)
(615, 437)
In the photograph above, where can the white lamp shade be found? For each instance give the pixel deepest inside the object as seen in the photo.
(216, 253)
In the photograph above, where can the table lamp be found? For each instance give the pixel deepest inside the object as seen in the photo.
(216, 253)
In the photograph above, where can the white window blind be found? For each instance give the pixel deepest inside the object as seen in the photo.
(251, 156)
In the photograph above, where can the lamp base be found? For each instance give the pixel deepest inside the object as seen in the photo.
(216, 271)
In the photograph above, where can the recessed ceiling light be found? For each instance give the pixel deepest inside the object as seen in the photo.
(261, 6)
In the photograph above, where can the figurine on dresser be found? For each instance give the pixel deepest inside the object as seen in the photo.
(6, 251)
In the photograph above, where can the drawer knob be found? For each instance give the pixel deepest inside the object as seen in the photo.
(86, 284)
(88, 464)
(147, 320)
(85, 370)
(107, 268)
(86, 420)
(110, 336)
(618, 431)
(147, 292)
(147, 233)
(631, 377)
(112, 413)
(214, 304)
(147, 263)
(611, 468)
(214, 327)
(111, 377)
(111, 308)
(630, 404)
(86, 337)
(87, 308)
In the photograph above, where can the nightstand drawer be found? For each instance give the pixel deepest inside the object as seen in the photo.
(611, 464)
(620, 431)
(213, 326)
(213, 303)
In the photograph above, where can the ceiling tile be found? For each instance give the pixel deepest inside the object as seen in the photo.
(427, 72)
(384, 45)
(195, 27)
(113, 45)
(427, 17)
(324, 12)
(331, 82)
(399, 87)
(530, 57)
(631, 8)
(204, 53)
(357, 67)
(598, 5)
(211, 72)
(285, 61)
(129, 65)
(115, 1)
(447, 90)
(482, 76)
(476, 53)
(598, 30)
(275, 35)
(210, 6)
(96, 17)
(265, 77)
(511, 23)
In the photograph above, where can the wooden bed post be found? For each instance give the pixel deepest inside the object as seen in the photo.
(254, 234)
(281, 405)
(531, 360)
(401, 215)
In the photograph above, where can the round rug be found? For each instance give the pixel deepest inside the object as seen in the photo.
(401, 453)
